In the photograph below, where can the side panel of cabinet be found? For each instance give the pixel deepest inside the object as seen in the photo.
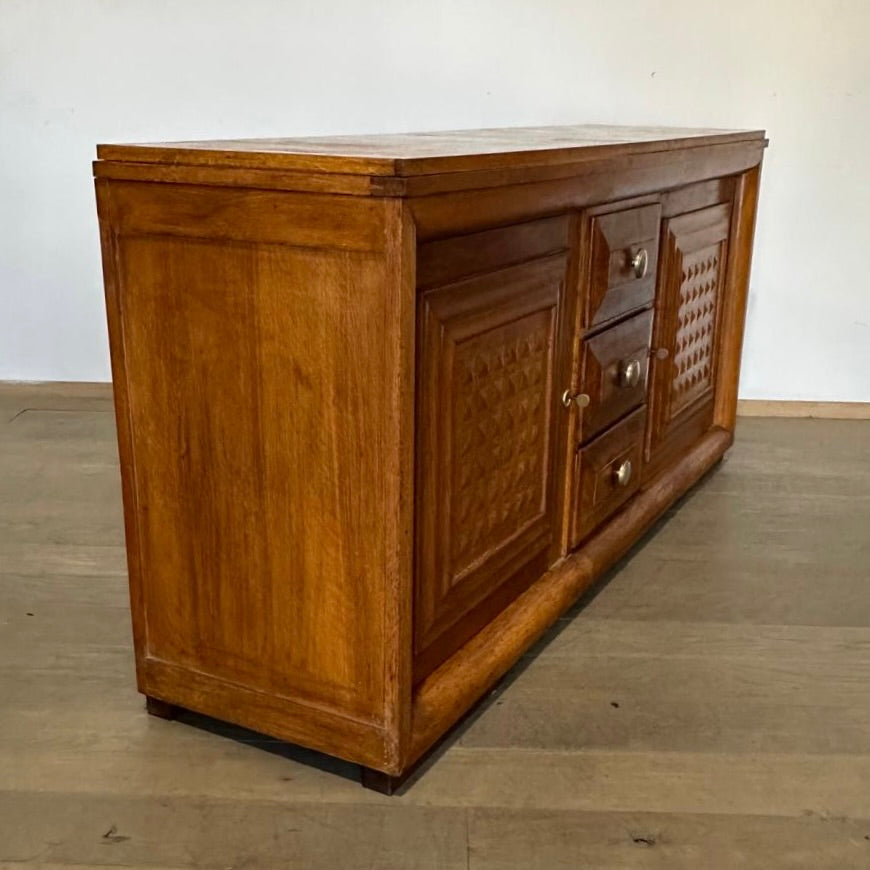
(489, 350)
(686, 331)
(266, 490)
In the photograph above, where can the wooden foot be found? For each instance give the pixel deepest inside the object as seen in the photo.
(380, 782)
(161, 709)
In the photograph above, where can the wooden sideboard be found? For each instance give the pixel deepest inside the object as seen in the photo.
(388, 404)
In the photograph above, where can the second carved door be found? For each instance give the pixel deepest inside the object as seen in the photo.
(686, 330)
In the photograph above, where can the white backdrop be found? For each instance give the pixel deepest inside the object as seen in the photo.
(75, 72)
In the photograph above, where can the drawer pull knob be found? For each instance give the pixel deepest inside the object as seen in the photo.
(639, 262)
(622, 474)
(629, 373)
(581, 400)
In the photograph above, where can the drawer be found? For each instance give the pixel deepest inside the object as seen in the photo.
(622, 265)
(613, 371)
(606, 474)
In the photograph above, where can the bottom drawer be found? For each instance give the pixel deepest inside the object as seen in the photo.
(606, 474)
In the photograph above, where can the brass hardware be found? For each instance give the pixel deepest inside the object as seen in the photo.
(629, 373)
(639, 262)
(581, 400)
(622, 475)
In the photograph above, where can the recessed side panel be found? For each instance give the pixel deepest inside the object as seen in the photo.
(254, 424)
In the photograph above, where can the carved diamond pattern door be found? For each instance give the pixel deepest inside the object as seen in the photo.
(686, 330)
(485, 442)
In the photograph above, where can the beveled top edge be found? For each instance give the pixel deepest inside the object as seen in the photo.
(414, 154)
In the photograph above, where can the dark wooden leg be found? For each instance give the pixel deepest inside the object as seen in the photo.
(380, 782)
(161, 709)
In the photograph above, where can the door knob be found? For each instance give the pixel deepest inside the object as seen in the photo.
(581, 400)
(629, 373)
(639, 262)
(622, 474)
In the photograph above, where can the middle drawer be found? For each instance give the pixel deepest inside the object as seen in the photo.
(613, 372)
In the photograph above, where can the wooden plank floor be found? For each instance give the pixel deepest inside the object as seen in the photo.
(708, 708)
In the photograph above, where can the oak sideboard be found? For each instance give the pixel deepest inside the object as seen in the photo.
(387, 405)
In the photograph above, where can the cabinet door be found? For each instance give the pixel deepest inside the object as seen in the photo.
(686, 331)
(486, 428)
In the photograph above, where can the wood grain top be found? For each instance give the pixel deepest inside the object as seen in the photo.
(410, 154)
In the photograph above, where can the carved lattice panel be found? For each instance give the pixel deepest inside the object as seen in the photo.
(695, 338)
(500, 417)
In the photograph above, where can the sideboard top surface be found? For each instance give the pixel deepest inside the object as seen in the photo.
(416, 154)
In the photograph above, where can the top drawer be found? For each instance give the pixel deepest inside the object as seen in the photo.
(622, 267)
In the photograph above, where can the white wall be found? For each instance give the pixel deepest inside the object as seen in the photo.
(75, 72)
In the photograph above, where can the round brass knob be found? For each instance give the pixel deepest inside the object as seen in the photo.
(581, 400)
(639, 262)
(622, 474)
(629, 373)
